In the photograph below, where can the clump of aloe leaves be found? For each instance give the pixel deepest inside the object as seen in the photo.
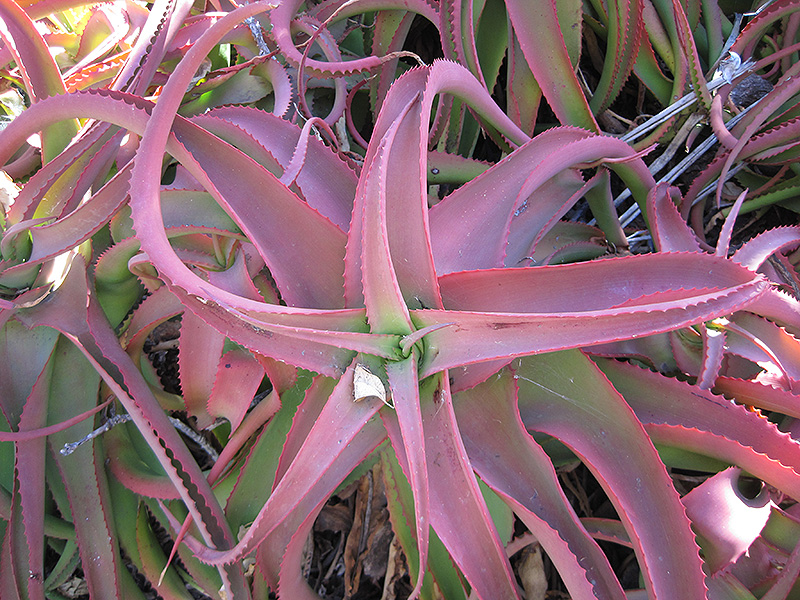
(457, 261)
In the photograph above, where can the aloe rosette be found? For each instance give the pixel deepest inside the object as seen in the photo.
(422, 332)
(292, 263)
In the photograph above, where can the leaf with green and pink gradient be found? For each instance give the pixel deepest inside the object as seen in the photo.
(465, 527)
(238, 375)
(541, 42)
(314, 472)
(527, 480)
(625, 29)
(678, 414)
(564, 395)
(26, 525)
(39, 71)
(561, 316)
(274, 241)
(67, 311)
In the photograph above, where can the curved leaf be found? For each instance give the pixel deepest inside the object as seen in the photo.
(536, 27)
(625, 29)
(314, 472)
(614, 304)
(465, 527)
(681, 415)
(564, 395)
(490, 423)
(39, 70)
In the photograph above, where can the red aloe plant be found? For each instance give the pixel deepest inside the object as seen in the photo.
(286, 258)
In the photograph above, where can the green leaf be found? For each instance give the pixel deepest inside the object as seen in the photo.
(256, 477)
(75, 378)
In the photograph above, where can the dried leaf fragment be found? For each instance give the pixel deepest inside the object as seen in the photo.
(531, 573)
(368, 385)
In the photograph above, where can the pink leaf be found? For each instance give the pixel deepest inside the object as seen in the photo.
(200, 351)
(525, 478)
(564, 395)
(713, 353)
(72, 311)
(329, 187)
(560, 317)
(669, 229)
(404, 383)
(681, 415)
(38, 68)
(726, 522)
(84, 474)
(759, 395)
(317, 462)
(238, 376)
(756, 251)
(386, 309)
(28, 533)
(481, 210)
(537, 29)
(464, 526)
